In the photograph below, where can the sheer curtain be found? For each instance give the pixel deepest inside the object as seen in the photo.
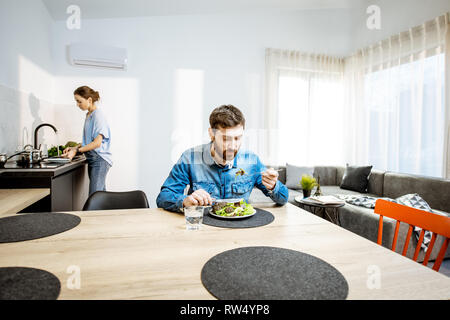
(446, 159)
(395, 102)
(304, 108)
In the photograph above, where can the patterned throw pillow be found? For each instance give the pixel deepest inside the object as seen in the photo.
(361, 201)
(416, 201)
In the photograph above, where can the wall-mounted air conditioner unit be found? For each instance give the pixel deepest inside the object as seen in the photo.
(92, 55)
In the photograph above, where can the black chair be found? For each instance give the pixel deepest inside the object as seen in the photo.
(105, 200)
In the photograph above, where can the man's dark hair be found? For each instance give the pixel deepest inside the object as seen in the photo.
(226, 116)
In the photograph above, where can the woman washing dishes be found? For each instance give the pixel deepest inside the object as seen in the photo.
(96, 139)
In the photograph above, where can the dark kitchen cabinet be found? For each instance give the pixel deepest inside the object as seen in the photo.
(80, 188)
(61, 192)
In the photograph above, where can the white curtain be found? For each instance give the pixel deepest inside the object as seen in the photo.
(304, 124)
(387, 105)
(446, 159)
(395, 102)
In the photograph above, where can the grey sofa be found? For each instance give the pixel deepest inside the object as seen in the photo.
(363, 221)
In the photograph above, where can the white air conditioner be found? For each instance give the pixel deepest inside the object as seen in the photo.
(82, 54)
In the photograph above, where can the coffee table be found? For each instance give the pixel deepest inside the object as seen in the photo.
(321, 209)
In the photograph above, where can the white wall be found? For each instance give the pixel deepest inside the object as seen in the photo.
(180, 68)
(26, 66)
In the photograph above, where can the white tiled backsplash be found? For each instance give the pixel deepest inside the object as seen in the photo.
(21, 113)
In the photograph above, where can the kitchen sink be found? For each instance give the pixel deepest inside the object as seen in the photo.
(41, 164)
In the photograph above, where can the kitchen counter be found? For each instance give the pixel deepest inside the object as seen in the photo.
(68, 184)
(44, 172)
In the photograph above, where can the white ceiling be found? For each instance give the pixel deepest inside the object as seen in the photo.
(102, 9)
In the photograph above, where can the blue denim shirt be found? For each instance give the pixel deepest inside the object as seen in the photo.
(197, 169)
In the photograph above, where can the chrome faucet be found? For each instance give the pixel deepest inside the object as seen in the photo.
(36, 133)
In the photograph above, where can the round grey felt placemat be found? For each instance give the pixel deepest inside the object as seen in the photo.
(35, 225)
(260, 218)
(261, 273)
(18, 283)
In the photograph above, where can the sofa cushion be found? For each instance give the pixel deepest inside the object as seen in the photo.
(294, 175)
(376, 181)
(282, 174)
(356, 178)
(434, 191)
(340, 171)
(327, 175)
(334, 190)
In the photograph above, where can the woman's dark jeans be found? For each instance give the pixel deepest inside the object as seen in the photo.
(97, 170)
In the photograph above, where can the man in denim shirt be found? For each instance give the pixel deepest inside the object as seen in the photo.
(214, 170)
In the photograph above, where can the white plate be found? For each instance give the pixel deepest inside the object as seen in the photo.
(234, 200)
(211, 212)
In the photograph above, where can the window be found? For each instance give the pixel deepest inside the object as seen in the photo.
(406, 109)
(310, 118)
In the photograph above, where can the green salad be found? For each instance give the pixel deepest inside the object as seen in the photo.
(53, 151)
(228, 209)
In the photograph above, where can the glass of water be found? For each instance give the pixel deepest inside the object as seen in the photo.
(194, 217)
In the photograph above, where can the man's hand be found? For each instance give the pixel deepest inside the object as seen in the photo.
(269, 178)
(198, 198)
(70, 153)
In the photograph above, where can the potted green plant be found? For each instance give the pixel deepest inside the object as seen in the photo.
(308, 183)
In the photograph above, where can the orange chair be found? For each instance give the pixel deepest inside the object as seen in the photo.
(437, 224)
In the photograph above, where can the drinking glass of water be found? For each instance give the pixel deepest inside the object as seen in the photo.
(194, 217)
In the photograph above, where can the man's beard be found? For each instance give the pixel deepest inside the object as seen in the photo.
(223, 153)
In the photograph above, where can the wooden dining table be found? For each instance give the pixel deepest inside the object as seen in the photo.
(149, 254)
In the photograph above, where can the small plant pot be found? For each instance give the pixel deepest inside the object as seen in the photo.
(306, 193)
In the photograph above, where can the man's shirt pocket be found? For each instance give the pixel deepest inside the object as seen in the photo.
(209, 187)
(242, 187)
